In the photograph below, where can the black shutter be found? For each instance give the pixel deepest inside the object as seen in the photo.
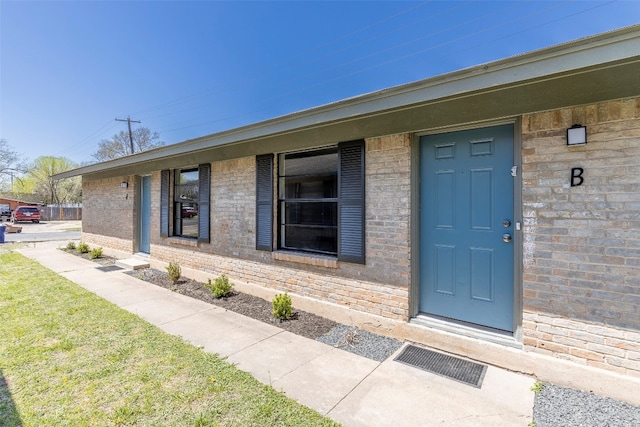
(165, 182)
(204, 195)
(264, 202)
(351, 202)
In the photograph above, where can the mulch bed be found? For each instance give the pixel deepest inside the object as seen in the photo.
(301, 322)
(103, 260)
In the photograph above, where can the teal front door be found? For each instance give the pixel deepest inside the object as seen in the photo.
(466, 226)
(145, 215)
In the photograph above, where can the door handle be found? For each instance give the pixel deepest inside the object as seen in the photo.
(506, 237)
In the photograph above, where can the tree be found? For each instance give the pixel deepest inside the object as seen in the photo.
(39, 180)
(11, 163)
(119, 145)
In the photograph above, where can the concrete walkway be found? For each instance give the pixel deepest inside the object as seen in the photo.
(350, 389)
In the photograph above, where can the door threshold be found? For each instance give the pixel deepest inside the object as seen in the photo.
(468, 330)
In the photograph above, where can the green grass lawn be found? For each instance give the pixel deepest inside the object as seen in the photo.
(70, 358)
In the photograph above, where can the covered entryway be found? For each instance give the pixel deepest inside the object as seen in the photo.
(466, 226)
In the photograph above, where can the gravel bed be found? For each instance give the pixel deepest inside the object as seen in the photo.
(558, 406)
(362, 343)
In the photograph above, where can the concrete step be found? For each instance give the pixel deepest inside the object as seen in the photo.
(132, 263)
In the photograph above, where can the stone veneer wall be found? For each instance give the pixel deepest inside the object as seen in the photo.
(581, 266)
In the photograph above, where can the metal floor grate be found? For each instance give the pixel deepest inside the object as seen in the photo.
(443, 364)
(107, 268)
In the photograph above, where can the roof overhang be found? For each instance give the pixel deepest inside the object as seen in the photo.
(594, 69)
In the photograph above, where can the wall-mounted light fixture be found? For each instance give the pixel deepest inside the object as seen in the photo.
(577, 135)
(124, 184)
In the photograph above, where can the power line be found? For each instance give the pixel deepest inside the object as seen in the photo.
(86, 138)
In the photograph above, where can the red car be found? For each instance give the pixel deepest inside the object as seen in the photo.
(26, 213)
(188, 212)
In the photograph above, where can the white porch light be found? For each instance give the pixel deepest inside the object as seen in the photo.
(577, 135)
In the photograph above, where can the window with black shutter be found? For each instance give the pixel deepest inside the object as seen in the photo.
(204, 209)
(165, 206)
(264, 202)
(191, 194)
(351, 203)
(320, 201)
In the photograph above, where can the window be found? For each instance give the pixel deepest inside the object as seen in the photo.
(308, 201)
(320, 201)
(185, 202)
(190, 206)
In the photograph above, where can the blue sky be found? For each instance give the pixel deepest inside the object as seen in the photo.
(188, 69)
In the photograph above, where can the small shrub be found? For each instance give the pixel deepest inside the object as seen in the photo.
(174, 271)
(95, 253)
(537, 387)
(282, 308)
(83, 248)
(71, 246)
(221, 287)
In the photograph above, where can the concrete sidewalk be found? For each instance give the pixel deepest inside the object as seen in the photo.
(350, 389)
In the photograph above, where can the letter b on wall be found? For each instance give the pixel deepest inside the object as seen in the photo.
(576, 177)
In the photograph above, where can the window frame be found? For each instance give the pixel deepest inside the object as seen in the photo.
(285, 202)
(178, 202)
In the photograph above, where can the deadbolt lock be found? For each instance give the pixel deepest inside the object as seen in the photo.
(506, 223)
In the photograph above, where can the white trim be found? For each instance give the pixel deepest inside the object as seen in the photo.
(458, 328)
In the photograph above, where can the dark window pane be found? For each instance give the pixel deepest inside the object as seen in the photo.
(324, 162)
(316, 239)
(311, 188)
(311, 213)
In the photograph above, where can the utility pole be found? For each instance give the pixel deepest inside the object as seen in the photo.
(128, 120)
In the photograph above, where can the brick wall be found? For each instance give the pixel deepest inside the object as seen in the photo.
(100, 240)
(379, 287)
(388, 209)
(374, 298)
(233, 208)
(108, 209)
(581, 275)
